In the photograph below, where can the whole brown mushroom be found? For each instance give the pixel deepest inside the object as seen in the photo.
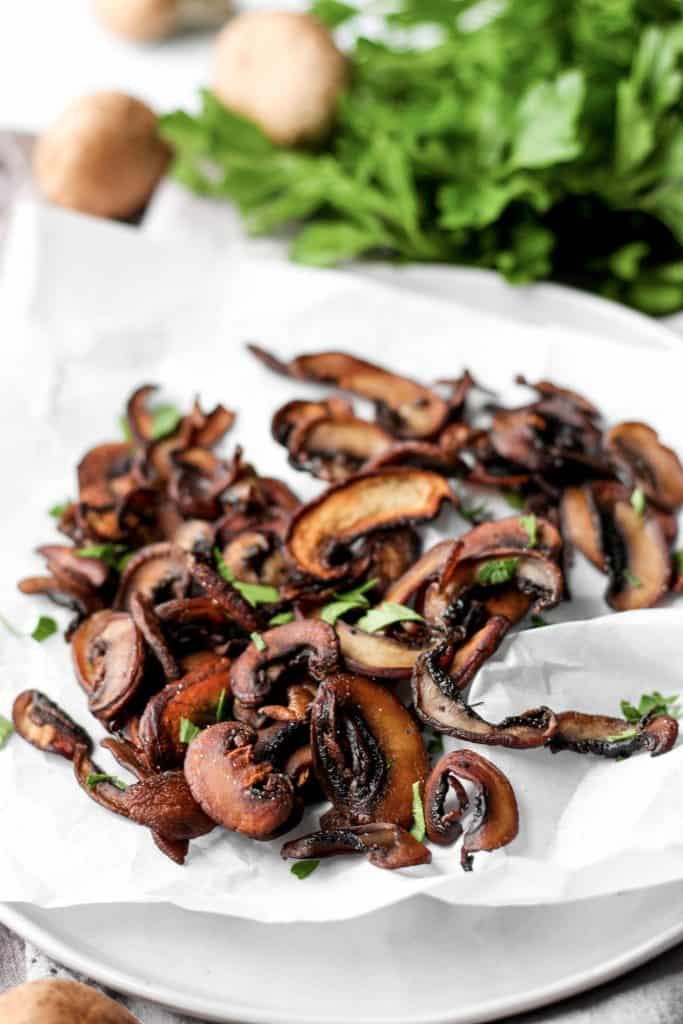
(144, 21)
(103, 156)
(281, 70)
(57, 1001)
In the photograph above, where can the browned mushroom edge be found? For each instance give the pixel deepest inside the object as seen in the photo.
(43, 724)
(384, 844)
(650, 464)
(109, 658)
(375, 654)
(613, 737)
(440, 705)
(310, 642)
(233, 789)
(495, 821)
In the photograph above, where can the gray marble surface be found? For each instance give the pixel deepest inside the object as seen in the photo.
(652, 994)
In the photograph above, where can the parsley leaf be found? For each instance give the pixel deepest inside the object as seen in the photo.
(631, 578)
(434, 744)
(332, 12)
(220, 707)
(627, 734)
(346, 602)
(529, 525)
(45, 627)
(281, 619)
(6, 730)
(638, 501)
(188, 730)
(258, 641)
(513, 499)
(165, 420)
(95, 777)
(419, 829)
(303, 868)
(651, 702)
(499, 570)
(254, 593)
(57, 511)
(387, 614)
(116, 556)
(537, 622)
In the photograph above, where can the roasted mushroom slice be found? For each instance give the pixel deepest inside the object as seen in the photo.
(412, 584)
(581, 524)
(334, 449)
(236, 791)
(109, 656)
(225, 595)
(384, 844)
(495, 821)
(636, 553)
(404, 407)
(368, 752)
(323, 531)
(159, 571)
(613, 737)
(149, 624)
(66, 593)
(42, 723)
(106, 474)
(195, 697)
(295, 414)
(374, 654)
(654, 467)
(308, 642)
(440, 705)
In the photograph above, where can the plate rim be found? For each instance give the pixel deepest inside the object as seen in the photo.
(20, 921)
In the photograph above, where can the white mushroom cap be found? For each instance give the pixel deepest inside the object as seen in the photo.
(146, 20)
(281, 70)
(102, 156)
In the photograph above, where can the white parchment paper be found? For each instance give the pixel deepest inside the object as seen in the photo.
(88, 311)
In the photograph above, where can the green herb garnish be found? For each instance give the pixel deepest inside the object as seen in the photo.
(500, 570)
(281, 619)
(116, 556)
(303, 868)
(529, 525)
(332, 12)
(188, 730)
(220, 707)
(347, 602)
(513, 499)
(631, 578)
(537, 622)
(258, 641)
(627, 734)
(419, 829)
(651, 702)
(125, 428)
(387, 614)
(6, 730)
(253, 593)
(638, 502)
(57, 511)
(165, 420)
(95, 777)
(45, 627)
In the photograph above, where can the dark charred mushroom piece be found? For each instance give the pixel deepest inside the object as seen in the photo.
(547, 390)
(106, 474)
(404, 407)
(654, 467)
(440, 705)
(375, 654)
(234, 789)
(159, 571)
(309, 642)
(42, 723)
(299, 412)
(194, 697)
(495, 821)
(147, 621)
(323, 531)
(367, 751)
(225, 595)
(613, 737)
(384, 844)
(109, 656)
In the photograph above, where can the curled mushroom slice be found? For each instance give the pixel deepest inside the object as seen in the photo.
(501, 538)
(613, 737)
(105, 474)
(334, 449)
(322, 531)
(581, 524)
(195, 697)
(236, 791)
(404, 407)
(310, 642)
(367, 750)
(66, 593)
(413, 582)
(495, 821)
(637, 556)
(145, 618)
(159, 571)
(440, 705)
(547, 390)
(295, 414)
(195, 535)
(384, 844)
(654, 467)
(42, 723)
(373, 654)
(225, 595)
(109, 654)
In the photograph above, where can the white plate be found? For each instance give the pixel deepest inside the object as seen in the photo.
(417, 962)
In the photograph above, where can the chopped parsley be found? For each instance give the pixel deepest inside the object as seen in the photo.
(281, 619)
(386, 614)
(303, 868)
(6, 730)
(258, 641)
(45, 627)
(95, 777)
(638, 502)
(631, 578)
(419, 829)
(57, 511)
(220, 707)
(253, 593)
(347, 602)
(651, 702)
(116, 556)
(500, 570)
(627, 734)
(188, 730)
(530, 525)
(513, 499)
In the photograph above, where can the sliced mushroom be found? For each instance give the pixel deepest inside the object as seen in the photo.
(236, 791)
(42, 723)
(159, 571)
(105, 474)
(389, 554)
(636, 553)
(581, 524)
(404, 407)
(64, 562)
(613, 737)
(66, 593)
(495, 821)
(374, 654)
(225, 595)
(334, 449)
(439, 704)
(149, 624)
(654, 467)
(367, 751)
(295, 414)
(384, 844)
(328, 525)
(109, 656)
(196, 536)
(194, 697)
(310, 642)
(415, 579)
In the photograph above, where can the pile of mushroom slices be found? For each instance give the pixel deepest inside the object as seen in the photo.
(251, 654)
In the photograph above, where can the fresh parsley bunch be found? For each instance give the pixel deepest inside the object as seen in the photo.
(540, 139)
